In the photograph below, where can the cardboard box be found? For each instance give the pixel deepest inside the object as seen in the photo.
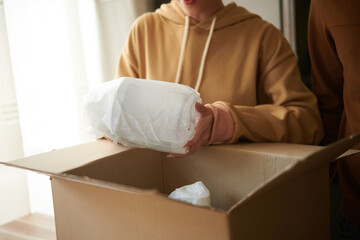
(258, 191)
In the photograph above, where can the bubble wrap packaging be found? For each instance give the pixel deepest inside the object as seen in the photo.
(143, 113)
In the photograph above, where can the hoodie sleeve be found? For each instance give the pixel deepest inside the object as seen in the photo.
(286, 110)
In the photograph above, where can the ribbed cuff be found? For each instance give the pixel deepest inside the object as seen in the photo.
(223, 126)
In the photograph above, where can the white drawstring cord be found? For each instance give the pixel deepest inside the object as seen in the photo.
(181, 59)
(201, 69)
(182, 52)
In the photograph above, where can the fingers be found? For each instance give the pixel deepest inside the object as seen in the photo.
(201, 108)
(196, 138)
(107, 138)
(191, 151)
(201, 136)
(203, 131)
(194, 148)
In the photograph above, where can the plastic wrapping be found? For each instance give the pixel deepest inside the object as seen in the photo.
(143, 113)
(196, 194)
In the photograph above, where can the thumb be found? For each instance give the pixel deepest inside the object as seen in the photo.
(201, 108)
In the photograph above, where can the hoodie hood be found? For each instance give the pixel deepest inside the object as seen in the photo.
(229, 15)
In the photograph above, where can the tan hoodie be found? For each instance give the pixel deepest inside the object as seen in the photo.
(334, 48)
(233, 58)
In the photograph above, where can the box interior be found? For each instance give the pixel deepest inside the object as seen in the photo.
(229, 173)
(234, 174)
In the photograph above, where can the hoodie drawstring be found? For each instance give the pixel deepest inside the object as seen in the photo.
(181, 59)
(206, 48)
(201, 69)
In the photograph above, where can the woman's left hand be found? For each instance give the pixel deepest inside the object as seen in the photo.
(203, 131)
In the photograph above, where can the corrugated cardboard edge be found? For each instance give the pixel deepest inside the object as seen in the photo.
(71, 158)
(304, 166)
(57, 162)
(54, 163)
(107, 185)
(309, 163)
(89, 181)
(349, 152)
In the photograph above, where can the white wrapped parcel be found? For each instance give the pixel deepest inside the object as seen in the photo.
(143, 113)
(196, 194)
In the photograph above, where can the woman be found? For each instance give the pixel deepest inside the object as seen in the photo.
(243, 67)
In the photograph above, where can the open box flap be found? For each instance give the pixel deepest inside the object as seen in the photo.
(62, 160)
(315, 160)
(107, 185)
(272, 148)
(347, 153)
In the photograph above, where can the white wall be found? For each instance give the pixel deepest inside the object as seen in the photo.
(269, 10)
(115, 20)
(13, 187)
(14, 201)
(106, 25)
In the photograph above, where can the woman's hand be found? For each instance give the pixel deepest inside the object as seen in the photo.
(203, 131)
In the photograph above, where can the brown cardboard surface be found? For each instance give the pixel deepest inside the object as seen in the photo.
(229, 174)
(59, 161)
(139, 168)
(317, 159)
(348, 153)
(92, 213)
(218, 167)
(271, 148)
(67, 159)
(297, 210)
(258, 191)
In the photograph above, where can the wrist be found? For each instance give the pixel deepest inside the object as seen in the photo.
(223, 124)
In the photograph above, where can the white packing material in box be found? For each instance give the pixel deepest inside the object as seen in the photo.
(143, 113)
(196, 194)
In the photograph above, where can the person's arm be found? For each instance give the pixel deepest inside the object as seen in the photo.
(215, 125)
(326, 73)
(287, 110)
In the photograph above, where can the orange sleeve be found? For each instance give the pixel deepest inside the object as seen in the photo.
(287, 110)
(326, 73)
(223, 126)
